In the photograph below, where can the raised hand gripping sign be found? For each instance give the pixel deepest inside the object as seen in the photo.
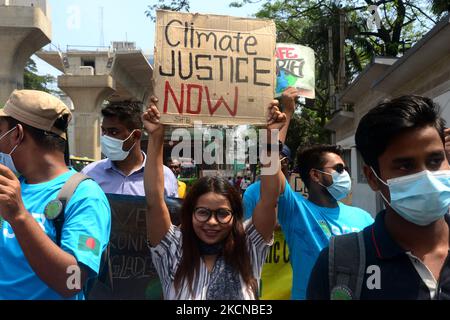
(215, 69)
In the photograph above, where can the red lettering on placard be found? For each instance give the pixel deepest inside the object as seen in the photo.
(186, 105)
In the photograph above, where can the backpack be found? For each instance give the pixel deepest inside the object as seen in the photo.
(54, 212)
(346, 266)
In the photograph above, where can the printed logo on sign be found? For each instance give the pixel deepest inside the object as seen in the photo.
(295, 68)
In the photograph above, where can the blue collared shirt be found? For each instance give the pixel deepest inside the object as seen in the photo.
(114, 181)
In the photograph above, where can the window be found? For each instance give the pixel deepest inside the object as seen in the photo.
(88, 63)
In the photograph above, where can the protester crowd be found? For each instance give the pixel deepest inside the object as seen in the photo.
(56, 222)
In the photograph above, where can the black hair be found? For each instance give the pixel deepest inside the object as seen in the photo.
(128, 112)
(313, 158)
(391, 118)
(45, 139)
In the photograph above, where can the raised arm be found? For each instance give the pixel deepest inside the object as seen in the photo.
(288, 102)
(158, 217)
(265, 214)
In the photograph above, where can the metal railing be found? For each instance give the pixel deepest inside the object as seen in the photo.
(88, 48)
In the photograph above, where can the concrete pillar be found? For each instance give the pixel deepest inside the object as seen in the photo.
(87, 94)
(23, 31)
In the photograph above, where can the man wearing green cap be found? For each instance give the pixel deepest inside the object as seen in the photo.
(35, 264)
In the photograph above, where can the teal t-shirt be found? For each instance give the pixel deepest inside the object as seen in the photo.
(85, 235)
(307, 229)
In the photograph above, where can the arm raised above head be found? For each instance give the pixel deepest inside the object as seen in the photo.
(272, 179)
(158, 217)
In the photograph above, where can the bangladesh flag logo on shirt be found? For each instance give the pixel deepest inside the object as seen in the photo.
(88, 243)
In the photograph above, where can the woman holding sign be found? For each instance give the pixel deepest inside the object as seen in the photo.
(213, 254)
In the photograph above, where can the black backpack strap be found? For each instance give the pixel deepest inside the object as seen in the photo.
(105, 272)
(64, 196)
(346, 265)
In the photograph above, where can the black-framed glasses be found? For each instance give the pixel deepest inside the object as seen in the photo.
(223, 216)
(339, 168)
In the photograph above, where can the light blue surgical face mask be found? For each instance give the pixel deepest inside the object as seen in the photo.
(112, 148)
(342, 184)
(5, 158)
(421, 198)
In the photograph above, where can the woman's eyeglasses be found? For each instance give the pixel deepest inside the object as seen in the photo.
(223, 216)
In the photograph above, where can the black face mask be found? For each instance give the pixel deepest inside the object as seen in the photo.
(210, 249)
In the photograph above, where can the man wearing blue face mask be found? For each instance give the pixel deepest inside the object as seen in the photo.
(404, 254)
(122, 172)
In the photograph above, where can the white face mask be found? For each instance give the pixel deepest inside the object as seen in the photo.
(112, 148)
(5, 158)
(342, 184)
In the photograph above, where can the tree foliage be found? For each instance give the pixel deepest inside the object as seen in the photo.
(173, 5)
(440, 7)
(33, 81)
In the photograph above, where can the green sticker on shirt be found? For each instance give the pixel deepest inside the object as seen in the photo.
(325, 228)
(88, 243)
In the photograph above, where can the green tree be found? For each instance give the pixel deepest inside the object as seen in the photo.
(305, 129)
(173, 5)
(33, 81)
(440, 7)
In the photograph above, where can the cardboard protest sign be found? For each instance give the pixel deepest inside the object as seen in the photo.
(133, 274)
(295, 68)
(215, 69)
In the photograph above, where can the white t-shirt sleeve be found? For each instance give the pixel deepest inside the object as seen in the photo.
(258, 247)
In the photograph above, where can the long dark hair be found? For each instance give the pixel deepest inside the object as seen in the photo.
(235, 250)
